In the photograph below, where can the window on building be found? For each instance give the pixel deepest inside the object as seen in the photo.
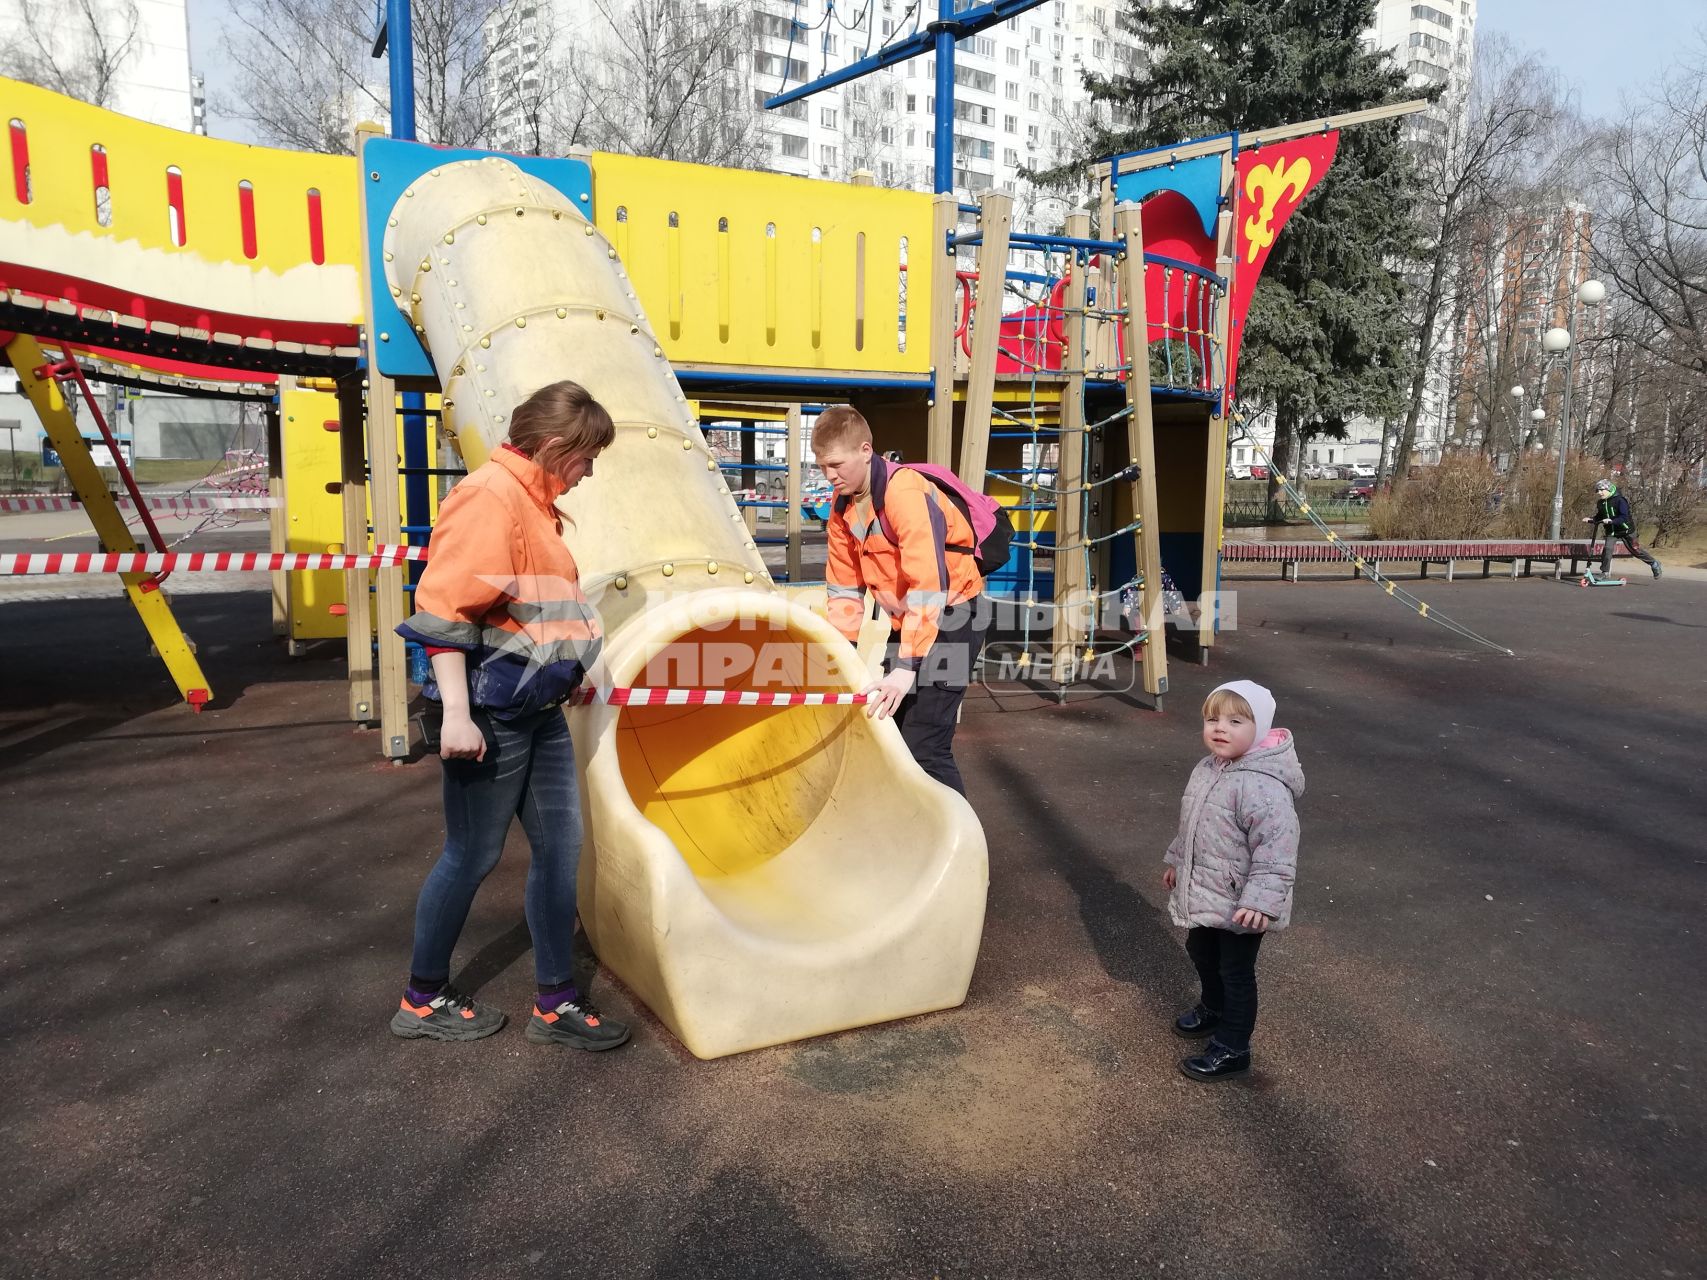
(912, 102)
(1428, 13)
(1056, 74)
(1013, 56)
(968, 78)
(1099, 48)
(829, 42)
(1010, 124)
(1010, 157)
(1035, 102)
(790, 145)
(1013, 91)
(826, 155)
(827, 117)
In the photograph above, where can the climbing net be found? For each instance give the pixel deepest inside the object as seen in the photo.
(1059, 342)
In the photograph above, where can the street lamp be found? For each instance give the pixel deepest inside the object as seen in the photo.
(1556, 342)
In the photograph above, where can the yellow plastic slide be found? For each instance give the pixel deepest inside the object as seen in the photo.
(755, 875)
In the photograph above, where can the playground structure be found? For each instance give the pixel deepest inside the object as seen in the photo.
(390, 308)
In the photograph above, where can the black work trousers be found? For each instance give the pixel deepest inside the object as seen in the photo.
(1227, 967)
(927, 715)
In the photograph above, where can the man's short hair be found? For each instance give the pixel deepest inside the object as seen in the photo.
(841, 425)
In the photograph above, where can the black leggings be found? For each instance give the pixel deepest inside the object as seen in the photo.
(1227, 967)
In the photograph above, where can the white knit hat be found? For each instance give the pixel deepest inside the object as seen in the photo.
(1261, 700)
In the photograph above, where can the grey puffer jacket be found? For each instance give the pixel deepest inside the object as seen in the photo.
(1238, 838)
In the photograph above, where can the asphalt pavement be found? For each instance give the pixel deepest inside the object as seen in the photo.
(1480, 1049)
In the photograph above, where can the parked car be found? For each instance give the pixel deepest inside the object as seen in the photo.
(1361, 471)
(1259, 473)
(1240, 472)
(1358, 491)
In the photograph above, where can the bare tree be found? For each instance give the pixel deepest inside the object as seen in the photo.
(308, 75)
(1478, 159)
(670, 79)
(1654, 240)
(1651, 245)
(870, 128)
(74, 47)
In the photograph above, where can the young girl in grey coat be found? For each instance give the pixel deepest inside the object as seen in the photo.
(1229, 870)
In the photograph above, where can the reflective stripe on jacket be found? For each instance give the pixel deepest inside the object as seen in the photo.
(501, 586)
(913, 581)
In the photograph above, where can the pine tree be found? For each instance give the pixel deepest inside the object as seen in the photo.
(1327, 337)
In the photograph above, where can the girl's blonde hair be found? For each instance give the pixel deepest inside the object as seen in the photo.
(559, 421)
(1224, 702)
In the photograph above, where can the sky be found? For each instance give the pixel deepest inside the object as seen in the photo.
(1603, 58)
(1603, 48)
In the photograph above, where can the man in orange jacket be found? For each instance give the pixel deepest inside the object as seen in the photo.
(893, 532)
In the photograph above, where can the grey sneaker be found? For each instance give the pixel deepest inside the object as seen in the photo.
(450, 1015)
(1658, 568)
(577, 1023)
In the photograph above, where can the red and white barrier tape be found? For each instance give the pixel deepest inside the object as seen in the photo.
(199, 561)
(184, 502)
(640, 697)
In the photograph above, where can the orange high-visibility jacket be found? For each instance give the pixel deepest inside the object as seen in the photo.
(501, 586)
(914, 581)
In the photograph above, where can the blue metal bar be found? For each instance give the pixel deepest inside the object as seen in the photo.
(746, 427)
(399, 36)
(959, 26)
(1031, 277)
(943, 29)
(752, 466)
(801, 381)
(1069, 242)
(758, 502)
(1162, 260)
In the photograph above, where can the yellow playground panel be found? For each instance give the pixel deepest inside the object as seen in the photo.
(314, 507)
(766, 271)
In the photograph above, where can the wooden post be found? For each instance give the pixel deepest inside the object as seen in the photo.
(937, 263)
(277, 532)
(392, 695)
(1070, 530)
(795, 456)
(1141, 446)
(1215, 476)
(995, 217)
(358, 603)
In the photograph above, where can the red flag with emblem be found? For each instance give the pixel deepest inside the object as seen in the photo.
(1268, 184)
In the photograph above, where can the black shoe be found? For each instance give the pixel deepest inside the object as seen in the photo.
(576, 1023)
(1657, 567)
(1199, 1022)
(450, 1015)
(1216, 1062)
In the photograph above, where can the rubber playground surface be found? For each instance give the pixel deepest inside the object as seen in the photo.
(1480, 1050)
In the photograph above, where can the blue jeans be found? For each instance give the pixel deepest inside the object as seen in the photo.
(528, 773)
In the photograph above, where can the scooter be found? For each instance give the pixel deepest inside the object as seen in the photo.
(1592, 579)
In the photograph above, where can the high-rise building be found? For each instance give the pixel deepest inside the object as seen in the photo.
(1020, 100)
(145, 64)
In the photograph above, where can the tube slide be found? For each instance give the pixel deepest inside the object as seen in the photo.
(755, 875)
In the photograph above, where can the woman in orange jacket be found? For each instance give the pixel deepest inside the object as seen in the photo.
(500, 612)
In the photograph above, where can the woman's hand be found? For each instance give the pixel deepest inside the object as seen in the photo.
(461, 739)
(1168, 879)
(1250, 918)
